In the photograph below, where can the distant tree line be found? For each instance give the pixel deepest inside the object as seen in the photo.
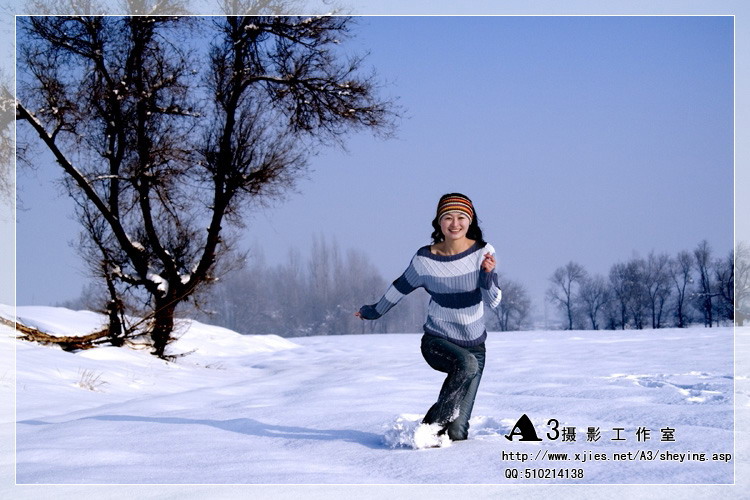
(313, 295)
(318, 295)
(657, 291)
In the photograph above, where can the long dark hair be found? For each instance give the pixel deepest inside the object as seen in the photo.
(474, 232)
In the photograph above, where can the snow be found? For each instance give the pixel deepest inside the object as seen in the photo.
(57, 321)
(161, 283)
(248, 411)
(408, 432)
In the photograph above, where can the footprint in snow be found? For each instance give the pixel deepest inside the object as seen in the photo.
(693, 387)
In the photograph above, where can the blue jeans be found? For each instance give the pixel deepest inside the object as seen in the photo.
(464, 366)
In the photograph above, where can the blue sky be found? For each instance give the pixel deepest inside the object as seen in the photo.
(578, 138)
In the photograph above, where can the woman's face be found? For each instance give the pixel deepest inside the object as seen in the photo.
(454, 225)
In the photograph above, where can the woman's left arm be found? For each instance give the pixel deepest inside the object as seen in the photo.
(488, 282)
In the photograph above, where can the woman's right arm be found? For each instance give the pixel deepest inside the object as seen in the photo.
(404, 285)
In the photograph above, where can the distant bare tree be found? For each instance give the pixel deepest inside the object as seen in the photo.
(681, 274)
(160, 155)
(705, 293)
(593, 296)
(656, 285)
(638, 298)
(288, 290)
(513, 312)
(334, 279)
(620, 288)
(90, 299)
(565, 282)
(610, 312)
(724, 279)
(627, 284)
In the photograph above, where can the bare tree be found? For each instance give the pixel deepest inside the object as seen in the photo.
(705, 293)
(160, 156)
(289, 293)
(656, 285)
(565, 282)
(620, 288)
(724, 279)
(627, 285)
(593, 296)
(638, 298)
(513, 312)
(324, 267)
(244, 301)
(681, 273)
(610, 312)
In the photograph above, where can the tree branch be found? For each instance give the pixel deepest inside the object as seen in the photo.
(125, 243)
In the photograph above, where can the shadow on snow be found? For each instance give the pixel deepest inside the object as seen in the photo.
(249, 427)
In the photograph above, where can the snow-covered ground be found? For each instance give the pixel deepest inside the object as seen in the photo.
(240, 412)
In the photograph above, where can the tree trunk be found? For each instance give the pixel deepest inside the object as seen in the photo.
(592, 316)
(161, 333)
(570, 317)
(115, 309)
(67, 343)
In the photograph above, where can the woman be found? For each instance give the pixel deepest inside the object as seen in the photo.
(458, 271)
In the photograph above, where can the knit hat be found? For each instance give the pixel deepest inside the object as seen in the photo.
(455, 203)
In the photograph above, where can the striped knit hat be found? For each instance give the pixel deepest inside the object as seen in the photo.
(455, 203)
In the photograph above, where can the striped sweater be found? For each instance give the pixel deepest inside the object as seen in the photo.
(458, 287)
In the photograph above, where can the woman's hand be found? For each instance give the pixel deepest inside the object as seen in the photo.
(488, 264)
(359, 315)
